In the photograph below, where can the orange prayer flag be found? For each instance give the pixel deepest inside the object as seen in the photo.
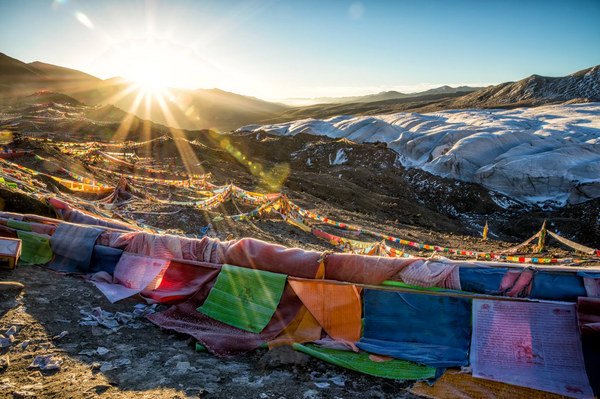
(454, 385)
(304, 328)
(336, 307)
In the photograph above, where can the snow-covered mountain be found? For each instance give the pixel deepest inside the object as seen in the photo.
(532, 154)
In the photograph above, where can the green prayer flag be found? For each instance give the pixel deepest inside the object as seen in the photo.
(394, 369)
(244, 298)
(17, 224)
(35, 249)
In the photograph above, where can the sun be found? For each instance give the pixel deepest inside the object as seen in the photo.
(151, 63)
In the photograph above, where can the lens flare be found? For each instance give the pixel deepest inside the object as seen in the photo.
(81, 17)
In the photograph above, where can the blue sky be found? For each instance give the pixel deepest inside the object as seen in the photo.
(276, 49)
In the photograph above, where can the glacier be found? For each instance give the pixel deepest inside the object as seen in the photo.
(548, 153)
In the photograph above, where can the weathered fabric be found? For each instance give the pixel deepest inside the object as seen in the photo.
(457, 385)
(256, 254)
(427, 329)
(304, 328)
(220, 338)
(517, 283)
(105, 259)
(244, 298)
(363, 269)
(35, 249)
(481, 280)
(557, 287)
(18, 225)
(180, 281)
(132, 275)
(531, 344)
(365, 363)
(336, 307)
(72, 245)
(428, 274)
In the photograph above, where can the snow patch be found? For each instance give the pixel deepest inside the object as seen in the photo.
(340, 158)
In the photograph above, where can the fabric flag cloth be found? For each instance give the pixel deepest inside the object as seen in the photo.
(19, 225)
(244, 298)
(481, 280)
(517, 283)
(336, 307)
(426, 274)
(457, 385)
(427, 329)
(180, 281)
(105, 259)
(220, 338)
(304, 328)
(368, 364)
(536, 345)
(7, 232)
(133, 274)
(591, 282)
(256, 254)
(72, 245)
(35, 249)
(362, 269)
(557, 287)
(588, 316)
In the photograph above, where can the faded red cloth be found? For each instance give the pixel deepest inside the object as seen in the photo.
(256, 254)
(219, 338)
(518, 280)
(42, 228)
(167, 246)
(180, 281)
(7, 232)
(588, 315)
(363, 269)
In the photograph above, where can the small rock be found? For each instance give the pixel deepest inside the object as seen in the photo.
(373, 394)
(95, 366)
(4, 362)
(24, 344)
(102, 351)
(22, 394)
(36, 375)
(46, 362)
(183, 365)
(283, 355)
(99, 389)
(6, 342)
(11, 331)
(311, 394)
(176, 359)
(61, 335)
(6, 384)
(387, 388)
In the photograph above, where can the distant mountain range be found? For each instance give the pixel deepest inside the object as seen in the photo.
(580, 87)
(384, 95)
(179, 108)
(221, 110)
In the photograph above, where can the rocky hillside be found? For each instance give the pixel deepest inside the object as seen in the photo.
(536, 90)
